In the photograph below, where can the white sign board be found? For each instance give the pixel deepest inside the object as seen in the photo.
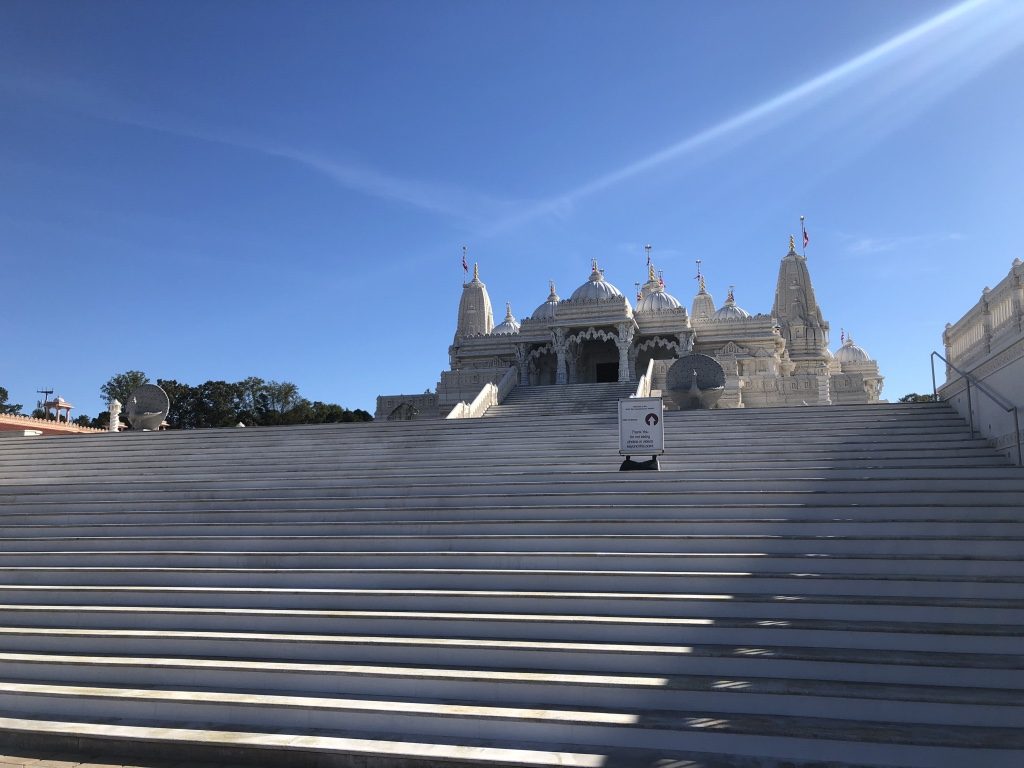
(641, 426)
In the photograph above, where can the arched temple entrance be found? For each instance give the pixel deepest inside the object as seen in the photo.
(656, 348)
(597, 360)
(404, 412)
(543, 368)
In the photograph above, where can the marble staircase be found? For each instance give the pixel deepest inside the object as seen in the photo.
(564, 399)
(804, 586)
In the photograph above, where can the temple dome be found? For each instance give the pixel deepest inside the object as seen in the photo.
(508, 326)
(729, 310)
(656, 301)
(596, 287)
(652, 297)
(547, 310)
(851, 353)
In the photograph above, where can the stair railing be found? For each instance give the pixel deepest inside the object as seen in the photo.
(507, 384)
(999, 400)
(643, 387)
(490, 394)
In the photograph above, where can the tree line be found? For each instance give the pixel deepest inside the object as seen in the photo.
(252, 401)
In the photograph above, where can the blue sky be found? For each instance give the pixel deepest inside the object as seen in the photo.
(217, 190)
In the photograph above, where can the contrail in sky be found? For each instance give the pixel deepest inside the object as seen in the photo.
(799, 97)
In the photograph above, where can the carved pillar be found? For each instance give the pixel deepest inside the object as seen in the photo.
(947, 344)
(114, 406)
(572, 357)
(624, 342)
(634, 353)
(986, 319)
(823, 386)
(1018, 297)
(559, 345)
(523, 364)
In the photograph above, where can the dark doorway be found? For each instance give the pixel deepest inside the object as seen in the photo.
(604, 372)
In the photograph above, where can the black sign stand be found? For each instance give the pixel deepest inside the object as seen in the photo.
(630, 466)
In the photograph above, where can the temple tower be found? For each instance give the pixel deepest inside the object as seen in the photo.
(703, 307)
(475, 315)
(797, 311)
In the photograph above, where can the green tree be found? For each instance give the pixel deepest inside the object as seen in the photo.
(216, 404)
(6, 407)
(252, 401)
(913, 397)
(122, 385)
(181, 413)
(282, 396)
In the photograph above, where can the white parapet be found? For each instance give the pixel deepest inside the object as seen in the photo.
(490, 394)
(987, 344)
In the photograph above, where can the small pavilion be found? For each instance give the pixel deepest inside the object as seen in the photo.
(57, 405)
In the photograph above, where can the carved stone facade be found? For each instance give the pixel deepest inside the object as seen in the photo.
(987, 344)
(596, 335)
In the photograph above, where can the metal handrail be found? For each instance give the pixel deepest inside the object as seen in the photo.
(999, 400)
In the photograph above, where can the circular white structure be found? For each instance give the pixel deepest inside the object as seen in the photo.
(509, 325)
(549, 308)
(596, 287)
(147, 408)
(729, 310)
(851, 353)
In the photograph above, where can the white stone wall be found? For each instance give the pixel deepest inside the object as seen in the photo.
(988, 344)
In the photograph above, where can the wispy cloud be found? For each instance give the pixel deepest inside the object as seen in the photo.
(867, 246)
(469, 206)
(945, 51)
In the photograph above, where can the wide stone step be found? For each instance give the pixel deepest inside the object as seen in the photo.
(396, 498)
(789, 662)
(649, 604)
(346, 749)
(926, 576)
(903, 703)
(619, 727)
(906, 636)
(727, 515)
(953, 577)
(960, 546)
(594, 482)
(154, 474)
(872, 527)
(207, 746)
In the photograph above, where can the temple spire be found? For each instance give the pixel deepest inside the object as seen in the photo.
(475, 315)
(703, 306)
(797, 312)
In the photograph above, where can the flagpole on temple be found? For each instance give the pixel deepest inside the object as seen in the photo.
(465, 266)
(804, 239)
